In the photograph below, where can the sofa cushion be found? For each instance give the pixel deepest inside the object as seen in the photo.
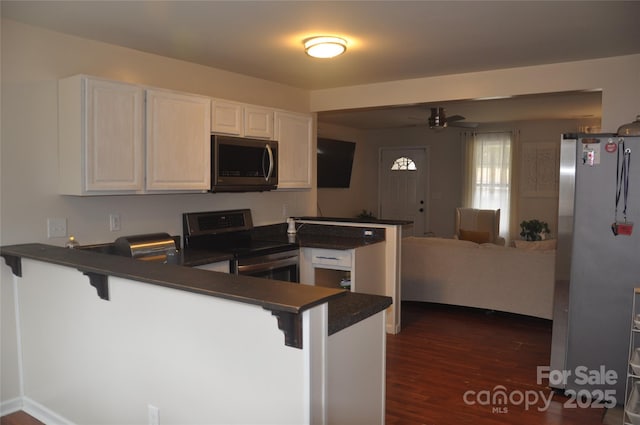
(475, 236)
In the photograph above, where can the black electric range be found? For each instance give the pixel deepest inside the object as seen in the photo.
(232, 232)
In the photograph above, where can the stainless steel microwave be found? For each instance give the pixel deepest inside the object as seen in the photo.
(243, 165)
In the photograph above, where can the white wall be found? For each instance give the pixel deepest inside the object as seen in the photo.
(617, 77)
(33, 60)
(199, 359)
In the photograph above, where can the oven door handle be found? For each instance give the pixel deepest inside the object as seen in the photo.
(269, 265)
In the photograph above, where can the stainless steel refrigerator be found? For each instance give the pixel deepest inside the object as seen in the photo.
(596, 270)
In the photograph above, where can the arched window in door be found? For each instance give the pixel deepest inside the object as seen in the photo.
(403, 164)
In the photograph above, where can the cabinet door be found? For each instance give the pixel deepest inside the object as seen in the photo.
(294, 133)
(100, 125)
(226, 117)
(258, 122)
(178, 141)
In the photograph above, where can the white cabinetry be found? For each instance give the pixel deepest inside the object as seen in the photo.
(101, 136)
(258, 122)
(239, 119)
(294, 133)
(178, 141)
(226, 117)
(365, 266)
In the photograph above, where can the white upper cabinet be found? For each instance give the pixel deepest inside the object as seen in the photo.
(258, 122)
(239, 119)
(226, 117)
(100, 136)
(294, 133)
(120, 138)
(178, 141)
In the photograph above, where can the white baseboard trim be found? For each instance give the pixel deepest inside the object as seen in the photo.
(42, 413)
(10, 406)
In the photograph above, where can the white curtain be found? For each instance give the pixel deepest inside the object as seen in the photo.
(488, 174)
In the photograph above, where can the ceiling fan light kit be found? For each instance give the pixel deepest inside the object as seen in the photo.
(325, 47)
(438, 119)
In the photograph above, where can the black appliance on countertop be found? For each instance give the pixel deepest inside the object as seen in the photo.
(232, 232)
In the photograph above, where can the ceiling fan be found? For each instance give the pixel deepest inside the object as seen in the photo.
(438, 120)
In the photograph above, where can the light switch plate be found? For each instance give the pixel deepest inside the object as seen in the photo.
(56, 228)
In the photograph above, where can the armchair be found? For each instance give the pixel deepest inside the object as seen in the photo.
(478, 225)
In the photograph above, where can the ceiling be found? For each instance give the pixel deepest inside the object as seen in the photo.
(388, 40)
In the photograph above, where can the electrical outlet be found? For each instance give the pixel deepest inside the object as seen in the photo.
(154, 414)
(114, 222)
(56, 228)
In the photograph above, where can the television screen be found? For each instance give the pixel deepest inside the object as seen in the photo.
(335, 161)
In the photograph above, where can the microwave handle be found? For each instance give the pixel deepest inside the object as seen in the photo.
(270, 153)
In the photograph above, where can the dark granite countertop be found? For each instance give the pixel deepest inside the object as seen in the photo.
(333, 242)
(272, 295)
(352, 308)
(356, 220)
(199, 257)
(345, 308)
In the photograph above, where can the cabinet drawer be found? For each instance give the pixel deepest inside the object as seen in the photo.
(331, 257)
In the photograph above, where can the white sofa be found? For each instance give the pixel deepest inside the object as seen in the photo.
(458, 272)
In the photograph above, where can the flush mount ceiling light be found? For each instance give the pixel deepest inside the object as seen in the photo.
(325, 47)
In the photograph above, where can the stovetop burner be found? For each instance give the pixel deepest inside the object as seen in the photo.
(229, 231)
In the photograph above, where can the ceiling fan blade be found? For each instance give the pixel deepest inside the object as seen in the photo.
(455, 118)
(463, 124)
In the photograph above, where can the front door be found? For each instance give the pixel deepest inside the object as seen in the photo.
(403, 181)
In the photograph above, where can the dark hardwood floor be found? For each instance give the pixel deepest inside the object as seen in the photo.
(19, 418)
(444, 352)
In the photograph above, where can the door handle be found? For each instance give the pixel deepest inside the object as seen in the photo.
(421, 210)
(270, 153)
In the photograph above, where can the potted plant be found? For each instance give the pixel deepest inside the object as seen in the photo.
(364, 214)
(534, 230)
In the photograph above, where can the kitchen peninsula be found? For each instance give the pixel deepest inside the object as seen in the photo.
(335, 233)
(108, 339)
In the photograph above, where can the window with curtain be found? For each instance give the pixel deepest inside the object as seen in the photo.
(489, 167)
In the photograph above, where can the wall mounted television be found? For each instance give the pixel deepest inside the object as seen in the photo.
(335, 162)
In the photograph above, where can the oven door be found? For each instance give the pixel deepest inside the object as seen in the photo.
(277, 266)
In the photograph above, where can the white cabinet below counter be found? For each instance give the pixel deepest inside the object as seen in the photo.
(365, 266)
